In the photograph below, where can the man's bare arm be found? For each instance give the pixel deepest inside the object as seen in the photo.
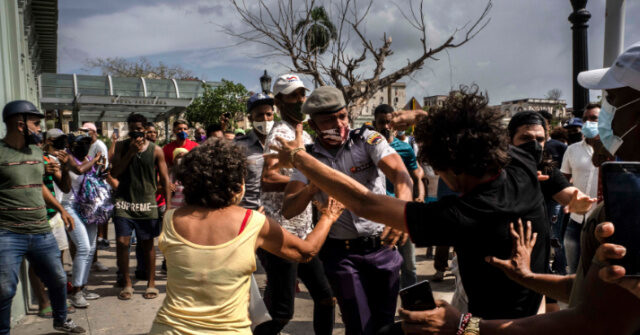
(297, 196)
(393, 168)
(163, 171)
(272, 180)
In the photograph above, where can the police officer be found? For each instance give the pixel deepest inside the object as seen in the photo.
(359, 256)
(24, 230)
(260, 110)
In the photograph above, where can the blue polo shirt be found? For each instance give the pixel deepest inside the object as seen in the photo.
(408, 157)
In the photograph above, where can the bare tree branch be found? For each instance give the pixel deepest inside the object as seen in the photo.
(274, 27)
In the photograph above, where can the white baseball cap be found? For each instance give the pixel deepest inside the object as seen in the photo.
(625, 71)
(287, 83)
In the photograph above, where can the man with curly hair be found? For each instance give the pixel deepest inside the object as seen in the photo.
(467, 145)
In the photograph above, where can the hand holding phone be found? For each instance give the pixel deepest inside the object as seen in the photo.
(417, 297)
(621, 190)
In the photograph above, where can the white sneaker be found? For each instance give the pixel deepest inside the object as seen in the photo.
(90, 295)
(100, 267)
(78, 300)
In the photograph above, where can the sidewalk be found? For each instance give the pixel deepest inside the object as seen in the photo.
(108, 315)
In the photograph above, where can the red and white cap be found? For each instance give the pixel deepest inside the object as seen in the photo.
(287, 83)
(625, 71)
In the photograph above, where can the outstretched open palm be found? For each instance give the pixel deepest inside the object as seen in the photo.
(519, 265)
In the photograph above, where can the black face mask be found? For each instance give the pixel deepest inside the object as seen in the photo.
(60, 143)
(293, 110)
(534, 148)
(136, 134)
(386, 133)
(80, 150)
(575, 138)
(29, 137)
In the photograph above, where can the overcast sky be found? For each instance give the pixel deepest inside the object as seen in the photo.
(524, 51)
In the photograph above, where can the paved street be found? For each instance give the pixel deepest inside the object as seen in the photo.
(109, 315)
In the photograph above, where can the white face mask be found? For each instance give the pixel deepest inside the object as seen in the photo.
(609, 140)
(263, 127)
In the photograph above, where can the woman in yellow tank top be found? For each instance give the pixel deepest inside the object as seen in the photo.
(210, 245)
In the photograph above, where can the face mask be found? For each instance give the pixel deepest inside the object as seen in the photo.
(136, 134)
(386, 133)
(201, 138)
(335, 136)
(263, 127)
(401, 133)
(33, 138)
(534, 148)
(60, 143)
(294, 111)
(182, 135)
(574, 138)
(590, 129)
(609, 140)
(29, 136)
(80, 150)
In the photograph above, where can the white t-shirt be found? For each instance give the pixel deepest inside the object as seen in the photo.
(577, 163)
(299, 225)
(99, 146)
(76, 181)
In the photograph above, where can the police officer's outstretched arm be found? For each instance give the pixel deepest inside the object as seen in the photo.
(355, 196)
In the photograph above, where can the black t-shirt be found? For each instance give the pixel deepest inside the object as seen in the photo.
(477, 225)
(556, 183)
(556, 149)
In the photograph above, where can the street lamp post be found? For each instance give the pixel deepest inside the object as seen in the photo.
(265, 82)
(579, 19)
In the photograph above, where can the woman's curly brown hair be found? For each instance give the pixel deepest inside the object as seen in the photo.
(213, 173)
(464, 135)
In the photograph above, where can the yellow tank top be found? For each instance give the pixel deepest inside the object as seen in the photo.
(207, 286)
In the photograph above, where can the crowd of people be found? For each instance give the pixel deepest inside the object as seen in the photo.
(339, 209)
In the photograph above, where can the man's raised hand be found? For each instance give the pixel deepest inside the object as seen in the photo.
(404, 119)
(286, 148)
(519, 265)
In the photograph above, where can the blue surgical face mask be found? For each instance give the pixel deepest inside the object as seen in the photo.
(590, 129)
(183, 135)
(609, 140)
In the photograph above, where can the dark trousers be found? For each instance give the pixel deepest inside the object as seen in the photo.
(366, 285)
(279, 295)
(441, 258)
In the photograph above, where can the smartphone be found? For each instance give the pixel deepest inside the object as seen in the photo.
(117, 132)
(417, 297)
(621, 191)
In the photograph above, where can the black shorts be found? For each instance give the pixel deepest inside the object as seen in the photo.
(146, 229)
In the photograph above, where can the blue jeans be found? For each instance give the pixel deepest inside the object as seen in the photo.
(42, 252)
(572, 245)
(556, 218)
(408, 274)
(84, 237)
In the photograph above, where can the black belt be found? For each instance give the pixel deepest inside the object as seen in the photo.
(363, 244)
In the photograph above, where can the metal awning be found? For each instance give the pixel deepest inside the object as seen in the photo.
(112, 99)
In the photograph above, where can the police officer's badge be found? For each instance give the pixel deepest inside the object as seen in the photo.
(374, 139)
